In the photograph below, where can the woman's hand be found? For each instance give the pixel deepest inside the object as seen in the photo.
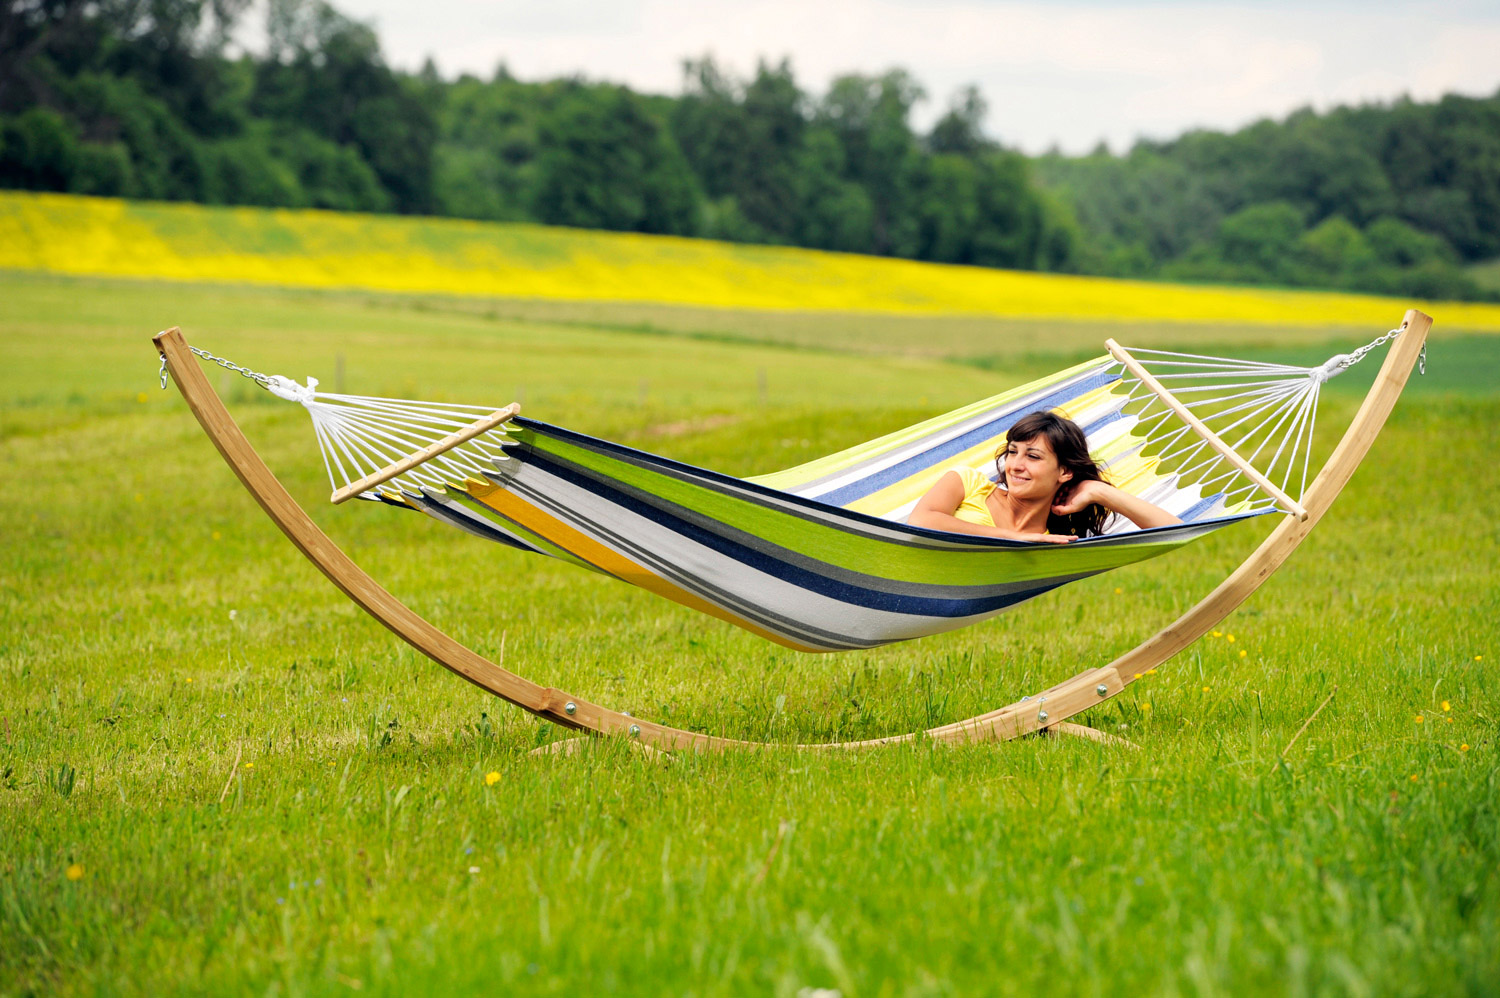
(1084, 495)
(1137, 510)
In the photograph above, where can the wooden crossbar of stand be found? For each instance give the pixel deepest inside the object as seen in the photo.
(1199, 427)
(1044, 713)
(482, 425)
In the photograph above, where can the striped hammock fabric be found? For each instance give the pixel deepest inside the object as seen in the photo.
(817, 557)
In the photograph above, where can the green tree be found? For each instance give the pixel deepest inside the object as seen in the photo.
(606, 163)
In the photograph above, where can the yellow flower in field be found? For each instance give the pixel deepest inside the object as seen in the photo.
(1205, 689)
(75, 872)
(142, 397)
(1420, 718)
(1146, 705)
(1448, 719)
(1415, 778)
(190, 679)
(1243, 653)
(1229, 638)
(1218, 634)
(1464, 747)
(249, 765)
(1118, 590)
(1446, 707)
(217, 535)
(1479, 658)
(491, 778)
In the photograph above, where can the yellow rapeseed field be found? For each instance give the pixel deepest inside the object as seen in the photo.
(315, 249)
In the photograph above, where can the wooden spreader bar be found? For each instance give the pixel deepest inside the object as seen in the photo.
(1209, 436)
(1045, 712)
(482, 425)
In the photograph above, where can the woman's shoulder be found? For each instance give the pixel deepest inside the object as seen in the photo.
(975, 481)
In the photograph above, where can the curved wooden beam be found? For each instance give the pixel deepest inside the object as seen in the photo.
(1046, 711)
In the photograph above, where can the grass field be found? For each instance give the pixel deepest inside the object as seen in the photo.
(218, 776)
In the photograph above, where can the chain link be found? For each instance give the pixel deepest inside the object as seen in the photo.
(260, 379)
(1358, 355)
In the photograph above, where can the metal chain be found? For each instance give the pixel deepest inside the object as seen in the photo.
(260, 379)
(1358, 355)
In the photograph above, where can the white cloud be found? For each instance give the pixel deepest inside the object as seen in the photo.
(1069, 73)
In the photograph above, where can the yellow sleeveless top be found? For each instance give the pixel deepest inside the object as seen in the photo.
(977, 489)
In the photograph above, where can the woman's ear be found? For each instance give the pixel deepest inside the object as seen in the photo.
(1065, 475)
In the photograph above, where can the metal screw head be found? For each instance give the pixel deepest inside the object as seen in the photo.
(1041, 716)
(570, 708)
(635, 731)
(624, 713)
(1102, 690)
(1025, 698)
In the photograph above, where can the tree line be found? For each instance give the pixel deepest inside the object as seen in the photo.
(143, 98)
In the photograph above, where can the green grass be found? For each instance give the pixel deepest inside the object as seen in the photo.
(268, 794)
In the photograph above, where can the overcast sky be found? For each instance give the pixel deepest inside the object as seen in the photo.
(1068, 73)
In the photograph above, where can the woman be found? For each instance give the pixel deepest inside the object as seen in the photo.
(1050, 490)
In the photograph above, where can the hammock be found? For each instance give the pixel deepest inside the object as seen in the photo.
(818, 557)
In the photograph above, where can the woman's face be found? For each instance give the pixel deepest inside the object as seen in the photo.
(1031, 469)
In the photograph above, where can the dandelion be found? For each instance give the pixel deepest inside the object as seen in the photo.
(1205, 689)
(1479, 658)
(1243, 653)
(190, 679)
(1415, 778)
(249, 765)
(1448, 719)
(491, 778)
(1118, 590)
(75, 871)
(1446, 707)
(1420, 718)
(1464, 747)
(142, 397)
(1229, 638)
(1146, 705)
(1218, 634)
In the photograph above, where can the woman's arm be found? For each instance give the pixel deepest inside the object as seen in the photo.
(935, 512)
(1134, 508)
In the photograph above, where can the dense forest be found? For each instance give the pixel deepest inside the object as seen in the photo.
(149, 99)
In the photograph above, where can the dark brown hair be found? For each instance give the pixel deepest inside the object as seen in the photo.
(1072, 450)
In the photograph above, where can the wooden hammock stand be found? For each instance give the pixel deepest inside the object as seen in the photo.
(1046, 712)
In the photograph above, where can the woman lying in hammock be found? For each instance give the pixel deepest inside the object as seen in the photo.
(1050, 490)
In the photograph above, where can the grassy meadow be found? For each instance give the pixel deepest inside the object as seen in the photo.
(218, 776)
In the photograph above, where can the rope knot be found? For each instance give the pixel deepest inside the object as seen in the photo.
(286, 388)
(1330, 368)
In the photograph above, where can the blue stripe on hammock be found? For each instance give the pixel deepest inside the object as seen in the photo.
(936, 455)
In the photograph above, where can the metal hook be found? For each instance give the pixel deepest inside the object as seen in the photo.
(163, 372)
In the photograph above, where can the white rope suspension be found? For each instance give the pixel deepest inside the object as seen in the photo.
(1255, 407)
